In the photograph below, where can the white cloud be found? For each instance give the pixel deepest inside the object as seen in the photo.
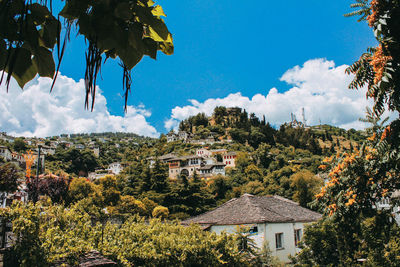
(319, 87)
(36, 112)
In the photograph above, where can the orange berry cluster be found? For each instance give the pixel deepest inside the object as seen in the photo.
(386, 133)
(378, 63)
(332, 208)
(352, 198)
(373, 17)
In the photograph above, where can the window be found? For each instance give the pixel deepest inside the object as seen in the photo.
(253, 230)
(279, 241)
(297, 236)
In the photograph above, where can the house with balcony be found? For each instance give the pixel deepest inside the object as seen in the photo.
(185, 165)
(210, 170)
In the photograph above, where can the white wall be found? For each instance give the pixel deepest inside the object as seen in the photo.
(268, 231)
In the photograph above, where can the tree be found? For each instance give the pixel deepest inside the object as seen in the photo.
(76, 161)
(9, 175)
(219, 115)
(319, 245)
(379, 68)
(48, 234)
(55, 187)
(19, 145)
(80, 188)
(305, 185)
(159, 177)
(160, 212)
(125, 29)
(360, 180)
(109, 190)
(128, 205)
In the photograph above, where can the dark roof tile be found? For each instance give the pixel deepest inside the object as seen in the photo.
(256, 209)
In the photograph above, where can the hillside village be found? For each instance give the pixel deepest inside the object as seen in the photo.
(262, 180)
(205, 147)
(221, 172)
(207, 162)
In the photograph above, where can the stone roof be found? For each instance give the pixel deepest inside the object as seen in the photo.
(185, 158)
(167, 156)
(256, 209)
(210, 166)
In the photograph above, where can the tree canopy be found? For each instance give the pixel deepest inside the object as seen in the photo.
(123, 29)
(360, 181)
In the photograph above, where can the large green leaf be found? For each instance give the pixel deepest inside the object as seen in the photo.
(24, 70)
(135, 36)
(167, 48)
(39, 13)
(85, 26)
(158, 31)
(151, 47)
(158, 11)
(123, 11)
(49, 33)
(44, 62)
(130, 57)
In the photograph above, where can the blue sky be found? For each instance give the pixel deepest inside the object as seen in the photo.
(226, 47)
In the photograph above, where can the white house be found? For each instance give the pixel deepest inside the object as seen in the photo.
(230, 159)
(211, 170)
(205, 167)
(47, 150)
(5, 153)
(172, 137)
(202, 152)
(275, 219)
(115, 168)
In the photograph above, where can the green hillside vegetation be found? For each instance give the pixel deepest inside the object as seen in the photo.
(282, 161)
(269, 162)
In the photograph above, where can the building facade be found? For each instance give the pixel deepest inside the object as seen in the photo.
(271, 220)
(230, 159)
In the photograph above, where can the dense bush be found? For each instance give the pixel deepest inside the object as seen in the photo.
(47, 233)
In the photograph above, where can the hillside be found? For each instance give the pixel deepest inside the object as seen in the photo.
(268, 161)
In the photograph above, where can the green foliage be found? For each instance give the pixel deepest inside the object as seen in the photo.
(305, 185)
(189, 198)
(130, 206)
(125, 29)
(54, 187)
(109, 190)
(75, 161)
(9, 175)
(319, 245)
(79, 189)
(350, 199)
(19, 145)
(48, 234)
(160, 212)
(298, 138)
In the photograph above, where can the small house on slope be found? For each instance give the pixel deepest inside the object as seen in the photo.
(278, 220)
